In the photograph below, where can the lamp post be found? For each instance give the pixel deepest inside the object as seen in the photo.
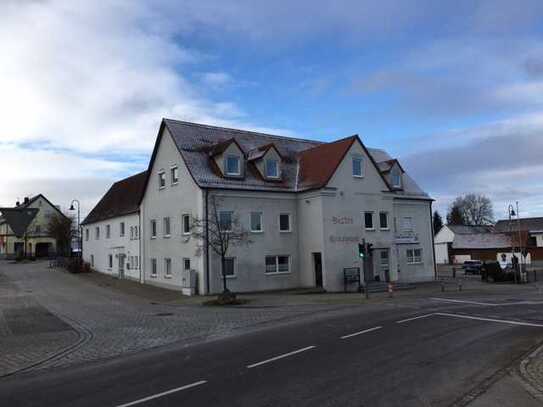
(519, 242)
(511, 212)
(79, 234)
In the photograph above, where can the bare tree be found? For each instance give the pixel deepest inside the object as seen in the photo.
(61, 229)
(220, 232)
(476, 210)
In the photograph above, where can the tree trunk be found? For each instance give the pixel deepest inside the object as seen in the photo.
(223, 264)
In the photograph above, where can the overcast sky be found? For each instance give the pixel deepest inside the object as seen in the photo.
(453, 89)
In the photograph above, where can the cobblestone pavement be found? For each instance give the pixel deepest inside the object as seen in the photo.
(76, 320)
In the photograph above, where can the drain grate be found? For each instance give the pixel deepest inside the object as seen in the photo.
(164, 314)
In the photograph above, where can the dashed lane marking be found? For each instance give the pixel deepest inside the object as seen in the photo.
(414, 318)
(285, 355)
(361, 332)
(164, 393)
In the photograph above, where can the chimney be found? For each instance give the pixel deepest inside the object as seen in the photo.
(27, 200)
(17, 203)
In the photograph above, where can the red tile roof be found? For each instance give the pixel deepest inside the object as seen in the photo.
(318, 164)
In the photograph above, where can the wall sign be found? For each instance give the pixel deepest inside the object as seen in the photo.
(344, 239)
(342, 220)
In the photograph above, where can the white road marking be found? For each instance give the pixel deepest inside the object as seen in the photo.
(502, 321)
(414, 318)
(464, 301)
(280, 357)
(165, 393)
(361, 332)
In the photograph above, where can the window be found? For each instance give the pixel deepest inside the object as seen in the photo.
(92, 259)
(284, 222)
(38, 229)
(414, 256)
(383, 220)
(166, 227)
(97, 232)
(161, 179)
(396, 178)
(229, 264)
(110, 260)
(407, 224)
(277, 264)
(131, 232)
(153, 229)
(168, 268)
(174, 173)
(272, 168)
(136, 232)
(358, 166)
(153, 268)
(186, 264)
(232, 165)
(225, 221)
(256, 222)
(368, 220)
(122, 229)
(86, 234)
(108, 231)
(186, 224)
(135, 262)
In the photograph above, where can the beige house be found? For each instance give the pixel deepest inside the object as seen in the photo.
(38, 243)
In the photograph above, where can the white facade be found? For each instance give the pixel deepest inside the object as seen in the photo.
(326, 226)
(112, 246)
(442, 240)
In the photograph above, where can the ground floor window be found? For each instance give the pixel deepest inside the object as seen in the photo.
(414, 256)
(110, 261)
(135, 262)
(229, 267)
(168, 268)
(186, 264)
(92, 260)
(153, 268)
(277, 264)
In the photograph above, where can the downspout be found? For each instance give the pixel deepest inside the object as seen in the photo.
(139, 245)
(433, 245)
(208, 290)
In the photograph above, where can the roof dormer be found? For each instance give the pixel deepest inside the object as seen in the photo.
(267, 159)
(229, 158)
(393, 172)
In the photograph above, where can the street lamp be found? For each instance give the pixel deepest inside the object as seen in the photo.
(512, 213)
(79, 234)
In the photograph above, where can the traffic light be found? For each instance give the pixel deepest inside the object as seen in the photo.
(361, 250)
(369, 248)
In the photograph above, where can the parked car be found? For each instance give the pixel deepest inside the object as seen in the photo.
(472, 266)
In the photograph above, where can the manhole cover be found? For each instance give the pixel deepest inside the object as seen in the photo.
(164, 314)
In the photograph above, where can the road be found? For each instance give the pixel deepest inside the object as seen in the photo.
(447, 353)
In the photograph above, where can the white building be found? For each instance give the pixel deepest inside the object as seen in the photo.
(307, 204)
(111, 231)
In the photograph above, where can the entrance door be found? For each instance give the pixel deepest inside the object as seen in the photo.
(121, 265)
(317, 260)
(384, 264)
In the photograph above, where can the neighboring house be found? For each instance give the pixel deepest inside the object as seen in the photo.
(306, 204)
(455, 244)
(531, 236)
(38, 241)
(111, 231)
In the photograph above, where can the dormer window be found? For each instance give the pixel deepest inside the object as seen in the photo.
(396, 178)
(272, 168)
(233, 165)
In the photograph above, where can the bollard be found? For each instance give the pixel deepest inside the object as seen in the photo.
(442, 287)
(390, 290)
(454, 272)
(460, 286)
(535, 276)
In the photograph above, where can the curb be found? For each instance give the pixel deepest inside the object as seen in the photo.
(531, 384)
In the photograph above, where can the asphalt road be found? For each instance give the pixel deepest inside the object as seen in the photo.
(382, 359)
